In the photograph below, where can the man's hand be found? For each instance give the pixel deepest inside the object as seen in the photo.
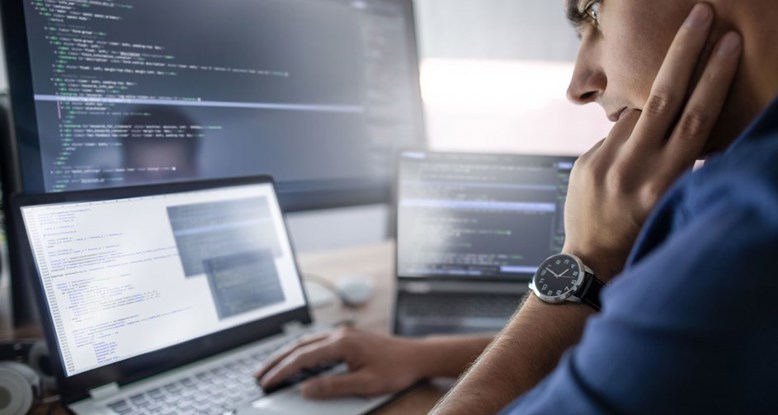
(614, 187)
(377, 364)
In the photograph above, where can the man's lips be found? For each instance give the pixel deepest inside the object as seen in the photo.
(616, 116)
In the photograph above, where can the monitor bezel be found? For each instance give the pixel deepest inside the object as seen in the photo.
(20, 91)
(77, 387)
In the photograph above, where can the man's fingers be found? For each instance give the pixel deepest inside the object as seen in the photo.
(623, 128)
(302, 358)
(325, 387)
(604, 152)
(704, 106)
(277, 357)
(619, 134)
(670, 88)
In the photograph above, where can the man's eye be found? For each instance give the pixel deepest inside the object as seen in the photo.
(592, 10)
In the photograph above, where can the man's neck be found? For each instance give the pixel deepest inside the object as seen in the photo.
(756, 84)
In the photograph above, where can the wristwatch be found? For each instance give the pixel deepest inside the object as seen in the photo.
(564, 278)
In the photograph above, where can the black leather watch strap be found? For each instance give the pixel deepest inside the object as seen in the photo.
(590, 291)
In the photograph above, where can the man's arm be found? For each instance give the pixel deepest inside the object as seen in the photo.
(524, 352)
(377, 363)
(535, 338)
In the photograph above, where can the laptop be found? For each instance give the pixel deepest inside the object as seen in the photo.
(471, 231)
(166, 298)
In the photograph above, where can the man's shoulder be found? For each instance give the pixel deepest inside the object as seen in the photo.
(720, 222)
(744, 179)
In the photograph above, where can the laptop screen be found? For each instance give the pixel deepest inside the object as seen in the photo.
(125, 277)
(489, 216)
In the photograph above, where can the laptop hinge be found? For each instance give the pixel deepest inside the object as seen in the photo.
(105, 391)
(292, 327)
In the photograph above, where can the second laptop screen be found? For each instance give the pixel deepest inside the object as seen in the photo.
(479, 215)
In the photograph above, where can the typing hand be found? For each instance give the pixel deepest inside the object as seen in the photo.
(301, 376)
(614, 187)
(376, 364)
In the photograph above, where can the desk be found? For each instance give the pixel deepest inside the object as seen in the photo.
(372, 261)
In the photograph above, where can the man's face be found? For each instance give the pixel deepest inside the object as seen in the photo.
(621, 53)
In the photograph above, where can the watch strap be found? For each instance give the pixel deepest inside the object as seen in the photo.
(590, 291)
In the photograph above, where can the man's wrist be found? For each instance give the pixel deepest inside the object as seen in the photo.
(605, 265)
(421, 359)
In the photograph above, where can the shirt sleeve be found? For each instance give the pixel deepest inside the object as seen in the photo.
(691, 328)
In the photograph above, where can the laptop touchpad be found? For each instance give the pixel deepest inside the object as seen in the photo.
(292, 401)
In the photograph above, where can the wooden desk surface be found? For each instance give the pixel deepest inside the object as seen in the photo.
(371, 261)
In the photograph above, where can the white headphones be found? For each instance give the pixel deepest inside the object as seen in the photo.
(25, 375)
(20, 386)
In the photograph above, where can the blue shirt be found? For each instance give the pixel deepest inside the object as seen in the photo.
(691, 325)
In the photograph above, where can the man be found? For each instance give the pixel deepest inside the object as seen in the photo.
(688, 323)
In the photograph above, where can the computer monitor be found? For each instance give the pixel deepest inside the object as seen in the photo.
(317, 93)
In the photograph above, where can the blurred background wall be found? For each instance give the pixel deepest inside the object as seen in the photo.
(495, 29)
(494, 76)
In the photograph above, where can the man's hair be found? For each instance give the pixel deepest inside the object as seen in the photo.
(574, 14)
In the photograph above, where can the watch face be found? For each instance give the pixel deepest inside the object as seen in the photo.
(558, 277)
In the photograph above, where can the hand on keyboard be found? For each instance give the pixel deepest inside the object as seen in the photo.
(301, 376)
(376, 364)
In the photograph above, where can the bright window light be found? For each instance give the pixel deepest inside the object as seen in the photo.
(506, 106)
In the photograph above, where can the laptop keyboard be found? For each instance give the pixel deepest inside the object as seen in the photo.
(217, 390)
(457, 306)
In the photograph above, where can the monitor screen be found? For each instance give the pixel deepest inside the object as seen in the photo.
(489, 216)
(317, 93)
